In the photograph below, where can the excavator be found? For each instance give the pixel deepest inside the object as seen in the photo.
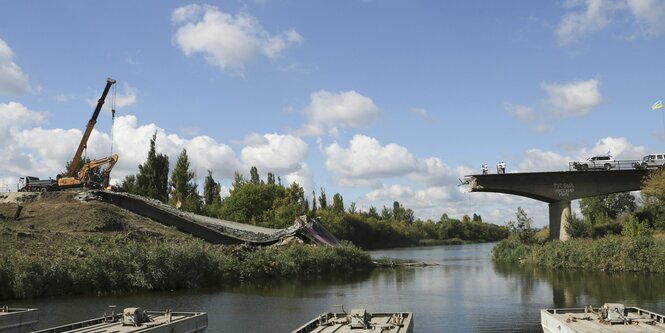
(85, 178)
(81, 178)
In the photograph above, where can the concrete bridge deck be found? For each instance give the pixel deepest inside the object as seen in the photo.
(558, 188)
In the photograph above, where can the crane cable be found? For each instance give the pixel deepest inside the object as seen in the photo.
(112, 117)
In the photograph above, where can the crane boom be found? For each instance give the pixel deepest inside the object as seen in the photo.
(91, 123)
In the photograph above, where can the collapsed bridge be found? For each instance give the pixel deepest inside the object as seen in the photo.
(219, 231)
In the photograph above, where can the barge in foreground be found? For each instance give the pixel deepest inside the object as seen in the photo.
(359, 321)
(611, 318)
(137, 320)
(17, 320)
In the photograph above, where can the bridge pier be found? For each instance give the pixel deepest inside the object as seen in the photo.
(559, 218)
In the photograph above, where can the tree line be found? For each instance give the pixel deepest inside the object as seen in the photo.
(270, 203)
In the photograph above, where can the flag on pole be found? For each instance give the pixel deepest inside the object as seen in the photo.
(657, 105)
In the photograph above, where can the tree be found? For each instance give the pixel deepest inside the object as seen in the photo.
(129, 184)
(152, 179)
(238, 181)
(525, 233)
(610, 205)
(254, 176)
(338, 203)
(184, 191)
(323, 201)
(578, 228)
(352, 208)
(211, 190)
(313, 202)
(271, 178)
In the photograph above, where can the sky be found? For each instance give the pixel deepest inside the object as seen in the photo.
(379, 101)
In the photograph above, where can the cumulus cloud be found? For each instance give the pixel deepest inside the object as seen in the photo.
(276, 153)
(573, 99)
(12, 79)
(620, 148)
(432, 171)
(574, 25)
(565, 100)
(366, 161)
(30, 150)
(596, 15)
(227, 40)
(328, 110)
(649, 15)
(304, 177)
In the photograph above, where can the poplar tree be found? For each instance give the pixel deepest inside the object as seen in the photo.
(184, 192)
(254, 176)
(323, 201)
(153, 176)
(338, 203)
(211, 190)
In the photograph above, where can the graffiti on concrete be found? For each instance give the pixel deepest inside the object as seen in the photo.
(564, 189)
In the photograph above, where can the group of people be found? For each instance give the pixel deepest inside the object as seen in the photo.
(500, 168)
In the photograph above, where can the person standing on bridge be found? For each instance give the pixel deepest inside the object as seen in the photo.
(484, 168)
(501, 167)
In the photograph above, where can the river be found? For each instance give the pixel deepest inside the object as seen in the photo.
(464, 292)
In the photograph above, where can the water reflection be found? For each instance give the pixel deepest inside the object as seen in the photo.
(574, 288)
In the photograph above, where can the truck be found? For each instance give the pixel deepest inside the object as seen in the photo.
(34, 184)
(598, 162)
(651, 161)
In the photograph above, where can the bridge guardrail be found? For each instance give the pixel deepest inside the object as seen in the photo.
(618, 165)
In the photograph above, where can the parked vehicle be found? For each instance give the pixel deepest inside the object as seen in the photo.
(598, 162)
(651, 161)
(34, 184)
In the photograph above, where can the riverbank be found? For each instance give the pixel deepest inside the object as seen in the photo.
(611, 253)
(62, 246)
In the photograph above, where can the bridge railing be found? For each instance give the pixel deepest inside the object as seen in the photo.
(618, 165)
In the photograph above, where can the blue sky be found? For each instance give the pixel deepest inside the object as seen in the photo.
(376, 100)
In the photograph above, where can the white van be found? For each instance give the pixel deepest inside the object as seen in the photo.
(651, 161)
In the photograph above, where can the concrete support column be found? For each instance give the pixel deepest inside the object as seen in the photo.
(559, 217)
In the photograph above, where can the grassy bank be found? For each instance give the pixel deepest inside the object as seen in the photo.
(612, 253)
(119, 264)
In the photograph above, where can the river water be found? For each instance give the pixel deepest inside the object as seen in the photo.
(464, 292)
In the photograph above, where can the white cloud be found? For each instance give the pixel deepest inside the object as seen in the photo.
(565, 100)
(226, 40)
(538, 160)
(276, 153)
(573, 99)
(327, 111)
(575, 25)
(366, 161)
(304, 177)
(597, 15)
(649, 15)
(12, 79)
(433, 172)
(523, 113)
(620, 148)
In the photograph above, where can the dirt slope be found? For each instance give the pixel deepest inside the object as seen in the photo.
(58, 217)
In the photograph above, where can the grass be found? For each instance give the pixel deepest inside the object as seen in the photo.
(611, 253)
(119, 264)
